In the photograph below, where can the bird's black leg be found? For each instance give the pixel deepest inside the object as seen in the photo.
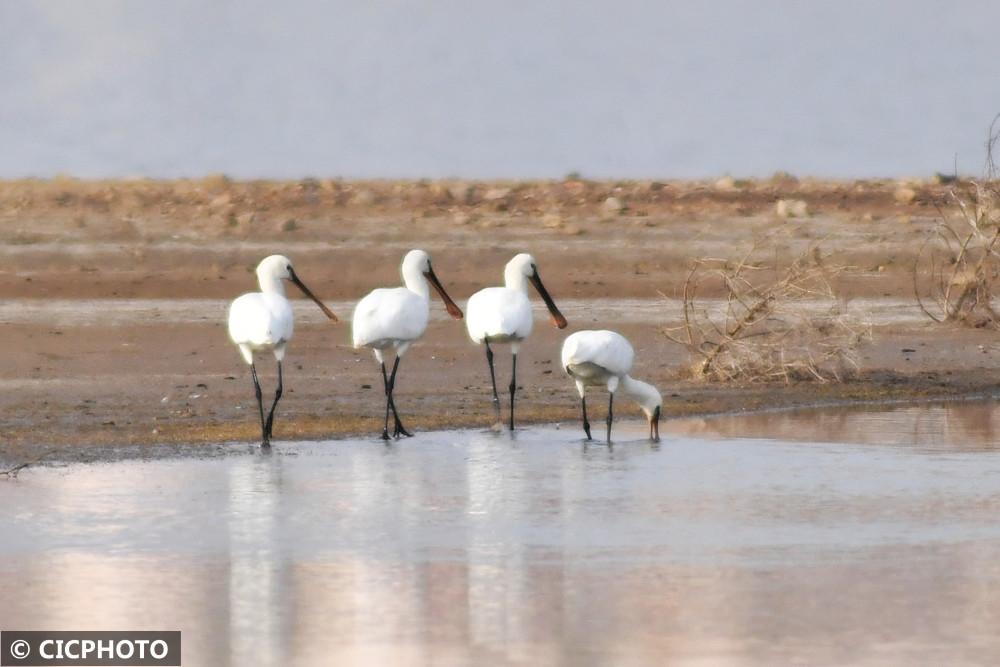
(513, 388)
(586, 422)
(269, 427)
(493, 381)
(398, 429)
(611, 414)
(385, 385)
(265, 441)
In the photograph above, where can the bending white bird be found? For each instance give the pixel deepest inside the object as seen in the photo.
(503, 315)
(262, 321)
(604, 359)
(392, 319)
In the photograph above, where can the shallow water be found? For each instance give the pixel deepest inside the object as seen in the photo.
(764, 539)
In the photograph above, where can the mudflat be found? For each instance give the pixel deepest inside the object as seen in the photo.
(113, 297)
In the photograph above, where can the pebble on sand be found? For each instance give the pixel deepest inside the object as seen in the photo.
(904, 195)
(552, 221)
(791, 208)
(725, 184)
(611, 207)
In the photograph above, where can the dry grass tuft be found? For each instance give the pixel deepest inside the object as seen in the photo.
(956, 270)
(775, 322)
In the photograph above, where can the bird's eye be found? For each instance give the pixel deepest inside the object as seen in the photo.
(288, 268)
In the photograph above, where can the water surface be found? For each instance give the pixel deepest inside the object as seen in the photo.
(827, 537)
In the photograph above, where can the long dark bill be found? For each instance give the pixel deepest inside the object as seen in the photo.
(453, 309)
(654, 426)
(557, 318)
(305, 290)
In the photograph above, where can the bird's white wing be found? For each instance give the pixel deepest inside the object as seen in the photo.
(606, 349)
(395, 314)
(498, 311)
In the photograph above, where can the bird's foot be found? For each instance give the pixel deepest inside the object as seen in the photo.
(586, 429)
(385, 434)
(399, 431)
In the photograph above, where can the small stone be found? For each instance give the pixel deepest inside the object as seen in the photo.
(612, 206)
(791, 208)
(216, 182)
(221, 201)
(289, 225)
(552, 221)
(496, 194)
(461, 192)
(726, 184)
(439, 192)
(570, 230)
(363, 198)
(246, 218)
(904, 195)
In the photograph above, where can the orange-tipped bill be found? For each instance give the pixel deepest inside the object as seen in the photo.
(305, 290)
(453, 309)
(557, 318)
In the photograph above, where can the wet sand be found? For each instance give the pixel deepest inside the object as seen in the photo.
(813, 537)
(112, 298)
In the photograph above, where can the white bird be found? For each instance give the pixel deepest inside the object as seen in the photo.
(262, 321)
(503, 315)
(393, 318)
(604, 359)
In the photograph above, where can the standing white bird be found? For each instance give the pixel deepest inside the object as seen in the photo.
(604, 359)
(503, 315)
(262, 321)
(393, 318)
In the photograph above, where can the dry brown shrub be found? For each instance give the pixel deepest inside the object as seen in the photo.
(957, 267)
(775, 322)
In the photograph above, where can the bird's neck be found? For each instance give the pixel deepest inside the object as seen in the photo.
(640, 392)
(415, 281)
(271, 285)
(514, 278)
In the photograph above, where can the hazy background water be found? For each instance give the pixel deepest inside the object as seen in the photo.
(477, 89)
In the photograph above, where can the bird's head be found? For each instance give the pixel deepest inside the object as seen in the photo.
(524, 266)
(275, 268)
(650, 401)
(418, 262)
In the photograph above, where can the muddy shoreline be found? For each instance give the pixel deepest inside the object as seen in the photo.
(109, 292)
